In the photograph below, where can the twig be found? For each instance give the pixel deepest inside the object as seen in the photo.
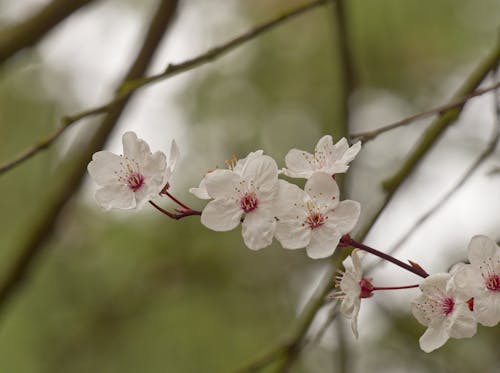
(135, 83)
(485, 154)
(29, 32)
(180, 213)
(41, 232)
(370, 135)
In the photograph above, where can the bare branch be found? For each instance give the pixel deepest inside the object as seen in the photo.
(135, 83)
(42, 231)
(29, 32)
(370, 135)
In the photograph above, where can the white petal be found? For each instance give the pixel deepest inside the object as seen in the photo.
(103, 166)
(222, 184)
(115, 196)
(468, 280)
(221, 215)
(340, 148)
(258, 230)
(323, 189)
(299, 163)
(289, 196)
(462, 323)
(354, 320)
(433, 338)
(263, 171)
(154, 168)
(481, 248)
(201, 191)
(345, 216)
(135, 148)
(241, 163)
(435, 283)
(323, 243)
(487, 308)
(324, 148)
(351, 153)
(173, 156)
(418, 310)
(292, 234)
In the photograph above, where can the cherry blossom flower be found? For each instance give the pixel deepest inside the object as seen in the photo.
(248, 191)
(443, 308)
(314, 218)
(353, 287)
(128, 181)
(232, 165)
(328, 158)
(481, 279)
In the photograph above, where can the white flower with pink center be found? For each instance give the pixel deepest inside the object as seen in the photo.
(327, 158)
(353, 287)
(128, 181)
(314, 218)
(443, 308)
(248, 193)
(235, 165)
(481, 279)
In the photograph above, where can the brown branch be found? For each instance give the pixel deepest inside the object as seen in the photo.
(370, 135)
(29, 32)
(137, 82)
(42, 231)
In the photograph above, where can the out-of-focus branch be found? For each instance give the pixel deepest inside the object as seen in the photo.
(30, 31)
(485, 154)
(370, 135)
(42, 231)
(137, 82)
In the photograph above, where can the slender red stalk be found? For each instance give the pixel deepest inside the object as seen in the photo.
(394, 287)
(181, 213)
(175, 200)
(348, 240)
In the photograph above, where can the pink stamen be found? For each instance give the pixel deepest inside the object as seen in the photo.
(249, 202)
(315, 220)
(447, 305)
(135, 181)
(493, 282)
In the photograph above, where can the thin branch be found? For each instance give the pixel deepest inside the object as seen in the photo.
(29, 32)
(42, 231)
(485, 154)
(135, 83)
(370, 135)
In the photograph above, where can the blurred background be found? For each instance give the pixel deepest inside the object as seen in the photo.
(136, 292)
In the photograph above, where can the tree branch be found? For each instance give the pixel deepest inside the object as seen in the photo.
(132, 84)
(370, 135)
(29, 32)
(42, 231)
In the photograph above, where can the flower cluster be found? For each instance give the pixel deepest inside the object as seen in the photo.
(450, 304)
(250, 191)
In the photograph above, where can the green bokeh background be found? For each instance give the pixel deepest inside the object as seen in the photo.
(125, 292)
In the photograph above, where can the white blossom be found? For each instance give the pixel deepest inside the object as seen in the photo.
(232, 165)
(128, 181)
(443, 308)
(327, 158)
(351, 291)
(314, 218)
(481, 279)
(248, 191)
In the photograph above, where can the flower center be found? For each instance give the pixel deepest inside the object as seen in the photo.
(493, 282)
(135, 181)
(249, 202)
(315, 219)
(447, 305)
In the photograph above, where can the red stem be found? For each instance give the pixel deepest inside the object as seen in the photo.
(176, 200)
(394, 287)
(180, 215)
(350, 241)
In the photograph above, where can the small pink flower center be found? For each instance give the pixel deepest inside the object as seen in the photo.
(493, 282)
(447, 306)
(249, 202)
(315, 220)
(135, 181)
